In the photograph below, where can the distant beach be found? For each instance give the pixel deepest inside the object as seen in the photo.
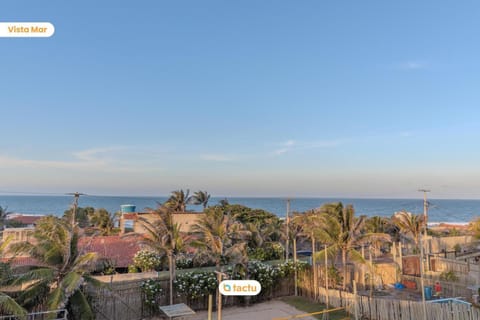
(441, 210)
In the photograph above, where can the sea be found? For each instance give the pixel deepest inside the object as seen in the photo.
(440, 210)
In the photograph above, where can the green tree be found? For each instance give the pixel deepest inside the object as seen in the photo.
(219, 237)
(81, 217)
(103, 221)
(200, 198)
(7, 304)
(56, 282)
(474, 227)
(164, 237)
(411, 225)
(178, 200)
(343, 232)
(3, 216)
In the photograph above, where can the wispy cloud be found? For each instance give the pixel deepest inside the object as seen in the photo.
(406, 134)
(217, 157)
(94, 153)
(291, 145)
(105, 159)
(285, 147)
(413, 65)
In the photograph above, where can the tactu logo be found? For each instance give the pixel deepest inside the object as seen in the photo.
(227, 287)
(240, 287)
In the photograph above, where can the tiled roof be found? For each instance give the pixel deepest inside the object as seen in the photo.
(25, 219)
(118, 250)
(21, 261)
(130, 216)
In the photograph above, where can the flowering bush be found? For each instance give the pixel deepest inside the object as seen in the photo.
(263, 273)
(152, 290)
(184, 263)
(147, 260)
(271, 251)
(200, 284)
(288, 268)
(196, 284)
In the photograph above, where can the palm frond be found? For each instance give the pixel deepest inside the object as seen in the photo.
(57, 299)
(84, 261)
(80, 307)
(9, 306)
(35, 274)
(331, 253)
(94, 282)
(35, 294)
(71, 282)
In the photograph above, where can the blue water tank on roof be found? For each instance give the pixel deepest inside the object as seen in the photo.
(127, 208)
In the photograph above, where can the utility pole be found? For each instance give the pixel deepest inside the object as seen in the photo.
(325, 315)
(287, 231)
(422, 283)
(76, 196)
(425, 218)
(425, 209)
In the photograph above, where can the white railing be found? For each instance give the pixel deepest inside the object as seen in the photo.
(60, 314)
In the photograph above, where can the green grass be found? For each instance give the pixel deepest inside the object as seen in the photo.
(308, 306)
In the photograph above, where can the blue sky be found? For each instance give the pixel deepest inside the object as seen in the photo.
(243, 98)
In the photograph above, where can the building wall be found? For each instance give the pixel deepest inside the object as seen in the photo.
(437, 244)
(18, 234)
(185, 220)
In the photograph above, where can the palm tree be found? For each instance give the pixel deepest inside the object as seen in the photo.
(7, 304)
(220, 237)
(178, 200)
(3, 217)
(200, 198)
(410, 225)
(164, 237)
(267, 238)
(104, 221)
(57, 280)
(474, 227)
(343, 231)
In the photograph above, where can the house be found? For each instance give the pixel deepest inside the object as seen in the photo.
(129, 221)
(18, 234)
(117, 251)
(27, 220)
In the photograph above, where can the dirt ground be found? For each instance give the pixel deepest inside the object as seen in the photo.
(261, 311)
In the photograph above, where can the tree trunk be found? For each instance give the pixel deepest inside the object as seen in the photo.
(170, 270)
(314, 266)
(344, 263)
(295, 263)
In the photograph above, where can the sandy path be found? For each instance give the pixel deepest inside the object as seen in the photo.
(261, 311)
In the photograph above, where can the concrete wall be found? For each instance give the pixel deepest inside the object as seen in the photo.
(437, 244)
(185, 220)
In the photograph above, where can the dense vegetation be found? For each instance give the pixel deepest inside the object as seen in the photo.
(232, 238)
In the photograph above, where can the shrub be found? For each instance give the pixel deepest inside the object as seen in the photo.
(288, 268)
(147, 260)
(457, 247)
(152, 291)
(271, 251)
(449, 276)
(196, 284)
(184, 263)
(132, 269)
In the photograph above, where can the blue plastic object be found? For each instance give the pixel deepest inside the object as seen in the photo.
(428, 293)
(398, 285)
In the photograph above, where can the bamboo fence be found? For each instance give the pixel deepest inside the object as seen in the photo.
(378, 308)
